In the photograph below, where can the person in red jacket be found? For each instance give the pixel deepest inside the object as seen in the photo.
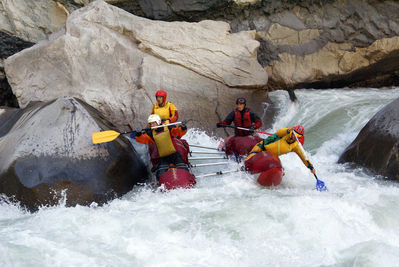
(165, 140)
(242, 117)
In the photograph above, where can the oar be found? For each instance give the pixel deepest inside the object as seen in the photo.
(108, 136)
(215, 173)
(209, 164)
(320, 186)
(241, 128)
(206, 147)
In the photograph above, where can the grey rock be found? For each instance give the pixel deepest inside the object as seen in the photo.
(377, 145)
(46, 153)
(204, 68)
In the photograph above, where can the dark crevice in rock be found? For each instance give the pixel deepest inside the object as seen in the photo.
(9, 45)
(383, 73)
(7, 98)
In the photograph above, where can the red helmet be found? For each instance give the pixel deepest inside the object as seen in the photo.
(161, 93)
(299, 129)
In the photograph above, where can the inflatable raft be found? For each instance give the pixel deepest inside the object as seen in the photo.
(175, 177)
(239, 145)
(268, 166)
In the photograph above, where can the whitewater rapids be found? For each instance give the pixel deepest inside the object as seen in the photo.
(229, 220)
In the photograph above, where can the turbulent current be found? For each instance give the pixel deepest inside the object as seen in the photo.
(229, 220)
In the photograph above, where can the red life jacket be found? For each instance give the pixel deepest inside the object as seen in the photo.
(242, 121)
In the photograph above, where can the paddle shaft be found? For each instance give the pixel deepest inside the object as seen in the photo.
(159, 126)
(245, 129)
(304, 154)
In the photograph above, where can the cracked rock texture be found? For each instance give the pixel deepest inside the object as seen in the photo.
(46, 148)
(31, 20)
(115, 61)
(303, 42)
(377, 145)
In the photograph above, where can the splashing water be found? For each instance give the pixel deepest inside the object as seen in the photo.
(230, 220)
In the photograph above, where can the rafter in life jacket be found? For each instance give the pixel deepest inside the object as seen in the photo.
(244, 118)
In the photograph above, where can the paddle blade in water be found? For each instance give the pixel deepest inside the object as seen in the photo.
(320, 186)
(105, 136)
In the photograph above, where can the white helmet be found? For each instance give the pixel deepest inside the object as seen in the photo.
(154, 118)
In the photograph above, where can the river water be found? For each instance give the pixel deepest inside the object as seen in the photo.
(229, 220)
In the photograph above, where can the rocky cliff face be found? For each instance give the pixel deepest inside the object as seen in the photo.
(318, 44)
(116, 62)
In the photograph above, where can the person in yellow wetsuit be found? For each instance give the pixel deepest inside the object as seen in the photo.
(166, 110)
(283, 142)
(164, 139)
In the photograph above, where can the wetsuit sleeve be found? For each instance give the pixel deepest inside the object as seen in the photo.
(153, 109)
(307, 163)
(177, 132)
(282, 132)
(229, 119)
(256, 149)
(174, 115)
(144, 139)
(255, 119)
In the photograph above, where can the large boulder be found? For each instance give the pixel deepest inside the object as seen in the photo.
(46, 153)
(337, 65)
(302, 42)
(31, 20)
(115, 61)
(377, 145)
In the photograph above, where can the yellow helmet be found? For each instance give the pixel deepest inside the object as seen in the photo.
(154, 118)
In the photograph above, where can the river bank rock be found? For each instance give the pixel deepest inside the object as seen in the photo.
(46, 153)
(116, 61)
(303, 42)
(377, 145)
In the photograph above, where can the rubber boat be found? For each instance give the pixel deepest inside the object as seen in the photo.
(239, 145)
(175, 177)
(268, 168)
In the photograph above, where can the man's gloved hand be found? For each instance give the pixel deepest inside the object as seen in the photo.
(133, 134)
(219, 124)
(183, 125)
(138, 134)
(252, 129)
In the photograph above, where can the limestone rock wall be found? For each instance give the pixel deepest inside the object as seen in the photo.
(116, 61)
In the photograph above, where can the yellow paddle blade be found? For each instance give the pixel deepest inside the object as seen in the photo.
(105, 136)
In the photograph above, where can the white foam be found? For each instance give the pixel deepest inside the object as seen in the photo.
(229, 220)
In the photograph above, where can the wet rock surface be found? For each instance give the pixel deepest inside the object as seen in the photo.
(46, 153)
(377, 145)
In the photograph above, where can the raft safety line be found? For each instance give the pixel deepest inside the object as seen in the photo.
(209, 164)
(210, 153)
(206, 147)
(215, 173)
(204, 158)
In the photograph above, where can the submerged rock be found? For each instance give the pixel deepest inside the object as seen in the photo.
(116, 61)
(377, 145)
(46, 149)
